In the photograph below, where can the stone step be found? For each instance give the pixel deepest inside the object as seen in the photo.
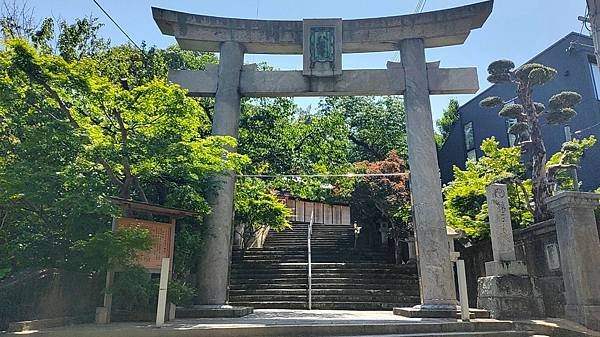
(397, 284)
(336, 266)
(332, 292)
(360, 305)
(361, 280)
(322, 276)
(288, 280)
(408, 287)
(260, 286)
(507, 333)
(322, 305)
(272, 304)
(398, 300)
(326, 273)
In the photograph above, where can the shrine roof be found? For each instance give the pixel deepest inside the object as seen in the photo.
(138, 206)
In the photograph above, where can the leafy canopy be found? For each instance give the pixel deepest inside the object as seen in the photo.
(465, 200)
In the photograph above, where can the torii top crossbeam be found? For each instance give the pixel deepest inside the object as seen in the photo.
(437, 29)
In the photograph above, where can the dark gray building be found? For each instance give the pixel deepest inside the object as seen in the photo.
(573, 58)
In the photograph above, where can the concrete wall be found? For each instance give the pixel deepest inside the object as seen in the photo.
(537, 245)
(573, 74)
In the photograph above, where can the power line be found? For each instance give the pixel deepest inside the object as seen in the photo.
(347, 175)
(586, 129)
(118, 26)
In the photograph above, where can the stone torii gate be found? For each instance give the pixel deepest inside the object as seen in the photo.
(322, 43)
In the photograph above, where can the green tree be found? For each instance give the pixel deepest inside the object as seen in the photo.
(376, 125)
(71, 137)
(528, 114)
(282, 139)
(465, 200)
(257, 208)
(561, 164)
(445, 123)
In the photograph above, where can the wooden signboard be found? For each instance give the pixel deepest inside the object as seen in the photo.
(163, 239)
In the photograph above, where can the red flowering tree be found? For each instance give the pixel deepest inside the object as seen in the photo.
(384, 201)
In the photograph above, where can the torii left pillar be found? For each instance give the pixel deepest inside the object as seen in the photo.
(215, 256)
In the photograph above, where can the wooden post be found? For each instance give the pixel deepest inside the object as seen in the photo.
(162, 292)
(103, 312)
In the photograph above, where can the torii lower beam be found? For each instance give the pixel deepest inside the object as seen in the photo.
(377, 82)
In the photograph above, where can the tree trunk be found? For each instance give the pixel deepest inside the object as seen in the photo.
(537, 150)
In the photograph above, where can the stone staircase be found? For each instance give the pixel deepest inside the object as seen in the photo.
(344, 278)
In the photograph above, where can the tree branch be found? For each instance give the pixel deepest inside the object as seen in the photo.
(365, 146)
(63, 106)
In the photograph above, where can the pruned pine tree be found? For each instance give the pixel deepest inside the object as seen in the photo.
(528, 115)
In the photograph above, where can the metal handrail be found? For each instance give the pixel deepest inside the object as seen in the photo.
(310, 225)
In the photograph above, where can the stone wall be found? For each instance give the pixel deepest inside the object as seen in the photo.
(48, 293)
(537, 246)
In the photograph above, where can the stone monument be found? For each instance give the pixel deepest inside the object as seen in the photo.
(322, 42)
(507, 290)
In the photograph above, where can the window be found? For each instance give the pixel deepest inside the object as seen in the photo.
(470, 141)
(512, 139)
(595, 72)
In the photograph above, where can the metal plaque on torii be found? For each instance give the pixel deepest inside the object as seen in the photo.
(322, 47)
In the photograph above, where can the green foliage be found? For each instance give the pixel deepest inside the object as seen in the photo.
(134, 291)
(500, 67)
(555, 117)
(465, 205)
(511, 110)
(568, 157)
(527, 113)
(80, 39)
(71, 137)
(499, 78)
(113, 250)
(534, 73)
(374, 126)
(445, 123)
(518, 128)
(491, 102)
(256, 207)
(561, 107)
(181, 294)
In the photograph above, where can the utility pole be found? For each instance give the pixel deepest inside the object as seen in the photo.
(594, 20)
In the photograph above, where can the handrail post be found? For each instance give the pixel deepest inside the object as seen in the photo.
(310, 224)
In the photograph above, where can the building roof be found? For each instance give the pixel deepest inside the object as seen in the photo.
(566, 37)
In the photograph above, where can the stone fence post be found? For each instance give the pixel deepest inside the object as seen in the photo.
(579, 254)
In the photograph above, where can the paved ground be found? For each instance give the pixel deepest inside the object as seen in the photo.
(277, 321)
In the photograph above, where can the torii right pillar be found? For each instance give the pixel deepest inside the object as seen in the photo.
(438, 296)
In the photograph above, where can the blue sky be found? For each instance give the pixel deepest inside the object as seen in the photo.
(517, 29)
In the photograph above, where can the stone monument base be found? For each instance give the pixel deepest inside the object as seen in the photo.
(213, 311)
(505, 268)
(508, 297)
(438, 312)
